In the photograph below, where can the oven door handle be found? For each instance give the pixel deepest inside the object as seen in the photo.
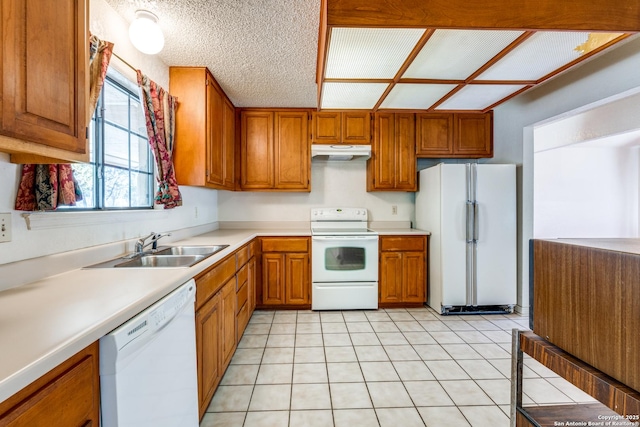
(332, 238)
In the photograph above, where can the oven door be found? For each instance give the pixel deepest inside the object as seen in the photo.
(344, 259)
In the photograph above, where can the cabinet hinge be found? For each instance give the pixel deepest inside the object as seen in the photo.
(86, 132)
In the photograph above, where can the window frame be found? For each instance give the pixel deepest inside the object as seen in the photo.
(97, 126)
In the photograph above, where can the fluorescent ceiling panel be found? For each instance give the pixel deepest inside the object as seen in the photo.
(369, 53)
(538, 56)
(456, 54)
(478, 97)
(351, 95)
(415, 96)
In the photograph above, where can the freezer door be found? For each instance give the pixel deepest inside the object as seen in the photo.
(495, 233)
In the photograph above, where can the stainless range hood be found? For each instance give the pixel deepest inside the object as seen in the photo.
(340, 152)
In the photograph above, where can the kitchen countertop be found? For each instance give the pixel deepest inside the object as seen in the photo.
(45, 322)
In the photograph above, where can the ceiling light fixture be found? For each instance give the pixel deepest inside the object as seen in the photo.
(145, 33)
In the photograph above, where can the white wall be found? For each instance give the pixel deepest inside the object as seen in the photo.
(609, 74)
(199, 205)
(332, 184)
(586, 192)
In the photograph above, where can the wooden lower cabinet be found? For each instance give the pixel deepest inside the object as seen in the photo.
(402, 270)
(215, 327)
(286, 278)
(246, 287)
(228, 312)
(225, 300)
(208, 327)
(68, 395)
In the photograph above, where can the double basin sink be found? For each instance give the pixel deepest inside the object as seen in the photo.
(167, 256)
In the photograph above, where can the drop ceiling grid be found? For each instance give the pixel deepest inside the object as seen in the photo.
(456, 54)
(415, 96)
(351, 95)
(539, 55)
(369, 53)
(478, 96)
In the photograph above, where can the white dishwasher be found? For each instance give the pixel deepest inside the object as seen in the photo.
(148, 366)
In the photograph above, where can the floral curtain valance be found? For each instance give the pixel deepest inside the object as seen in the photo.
(160, 111)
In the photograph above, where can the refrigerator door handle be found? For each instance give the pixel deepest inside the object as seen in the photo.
(476, 222)
(470, 222)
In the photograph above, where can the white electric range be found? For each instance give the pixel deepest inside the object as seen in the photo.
(344, 260)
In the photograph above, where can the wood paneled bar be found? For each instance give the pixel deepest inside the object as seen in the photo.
(586, 301)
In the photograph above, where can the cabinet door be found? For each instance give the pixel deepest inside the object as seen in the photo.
(68, 395)
(414, 284)
(390, 277)
(273, 277)
(215, 148)
(45, 78)
(228, 312)
(296, 278)
(381, 165)
(434, 134)
(208, 331)
(292, 151)
(356, 127)
(326, 127)
(405, 165)
(473, 135)
(229, 142)
(257, 158)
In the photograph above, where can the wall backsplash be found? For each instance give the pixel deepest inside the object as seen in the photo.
(332, 184)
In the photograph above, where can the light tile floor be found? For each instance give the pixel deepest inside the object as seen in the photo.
(391, 367)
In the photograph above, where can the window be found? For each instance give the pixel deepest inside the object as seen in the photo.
(120, 174)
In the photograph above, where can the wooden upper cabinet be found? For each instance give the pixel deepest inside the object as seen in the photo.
(341, 127)
(326, 127)
(205, 129)
(292, 150)
(229, 141)
(274, 150)
(434, 134)
(473, 136)
(356, 127)
(214, 173)
(44, 85)
(454, 135)
(256, 150)
(392, 166)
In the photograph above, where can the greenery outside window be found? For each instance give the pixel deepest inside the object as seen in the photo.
(120, 173)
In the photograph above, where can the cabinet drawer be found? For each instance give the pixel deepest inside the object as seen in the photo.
(211, 281)
(244, 254)
(68, 395)
(285, 244)
(403, 243)
(242, 296)
(242, 277)
(242, 319)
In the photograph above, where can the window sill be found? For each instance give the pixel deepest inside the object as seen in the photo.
(48, 220)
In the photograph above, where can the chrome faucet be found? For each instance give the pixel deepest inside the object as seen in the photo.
(142, 242)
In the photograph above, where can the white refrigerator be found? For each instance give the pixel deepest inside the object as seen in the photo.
(470, 210)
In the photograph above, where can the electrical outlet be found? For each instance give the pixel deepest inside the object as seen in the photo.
(394, 210)
(5, 227)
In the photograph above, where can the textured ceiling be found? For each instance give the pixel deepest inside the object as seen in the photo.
(262, 52)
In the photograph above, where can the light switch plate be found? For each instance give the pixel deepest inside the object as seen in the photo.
(5, 227)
